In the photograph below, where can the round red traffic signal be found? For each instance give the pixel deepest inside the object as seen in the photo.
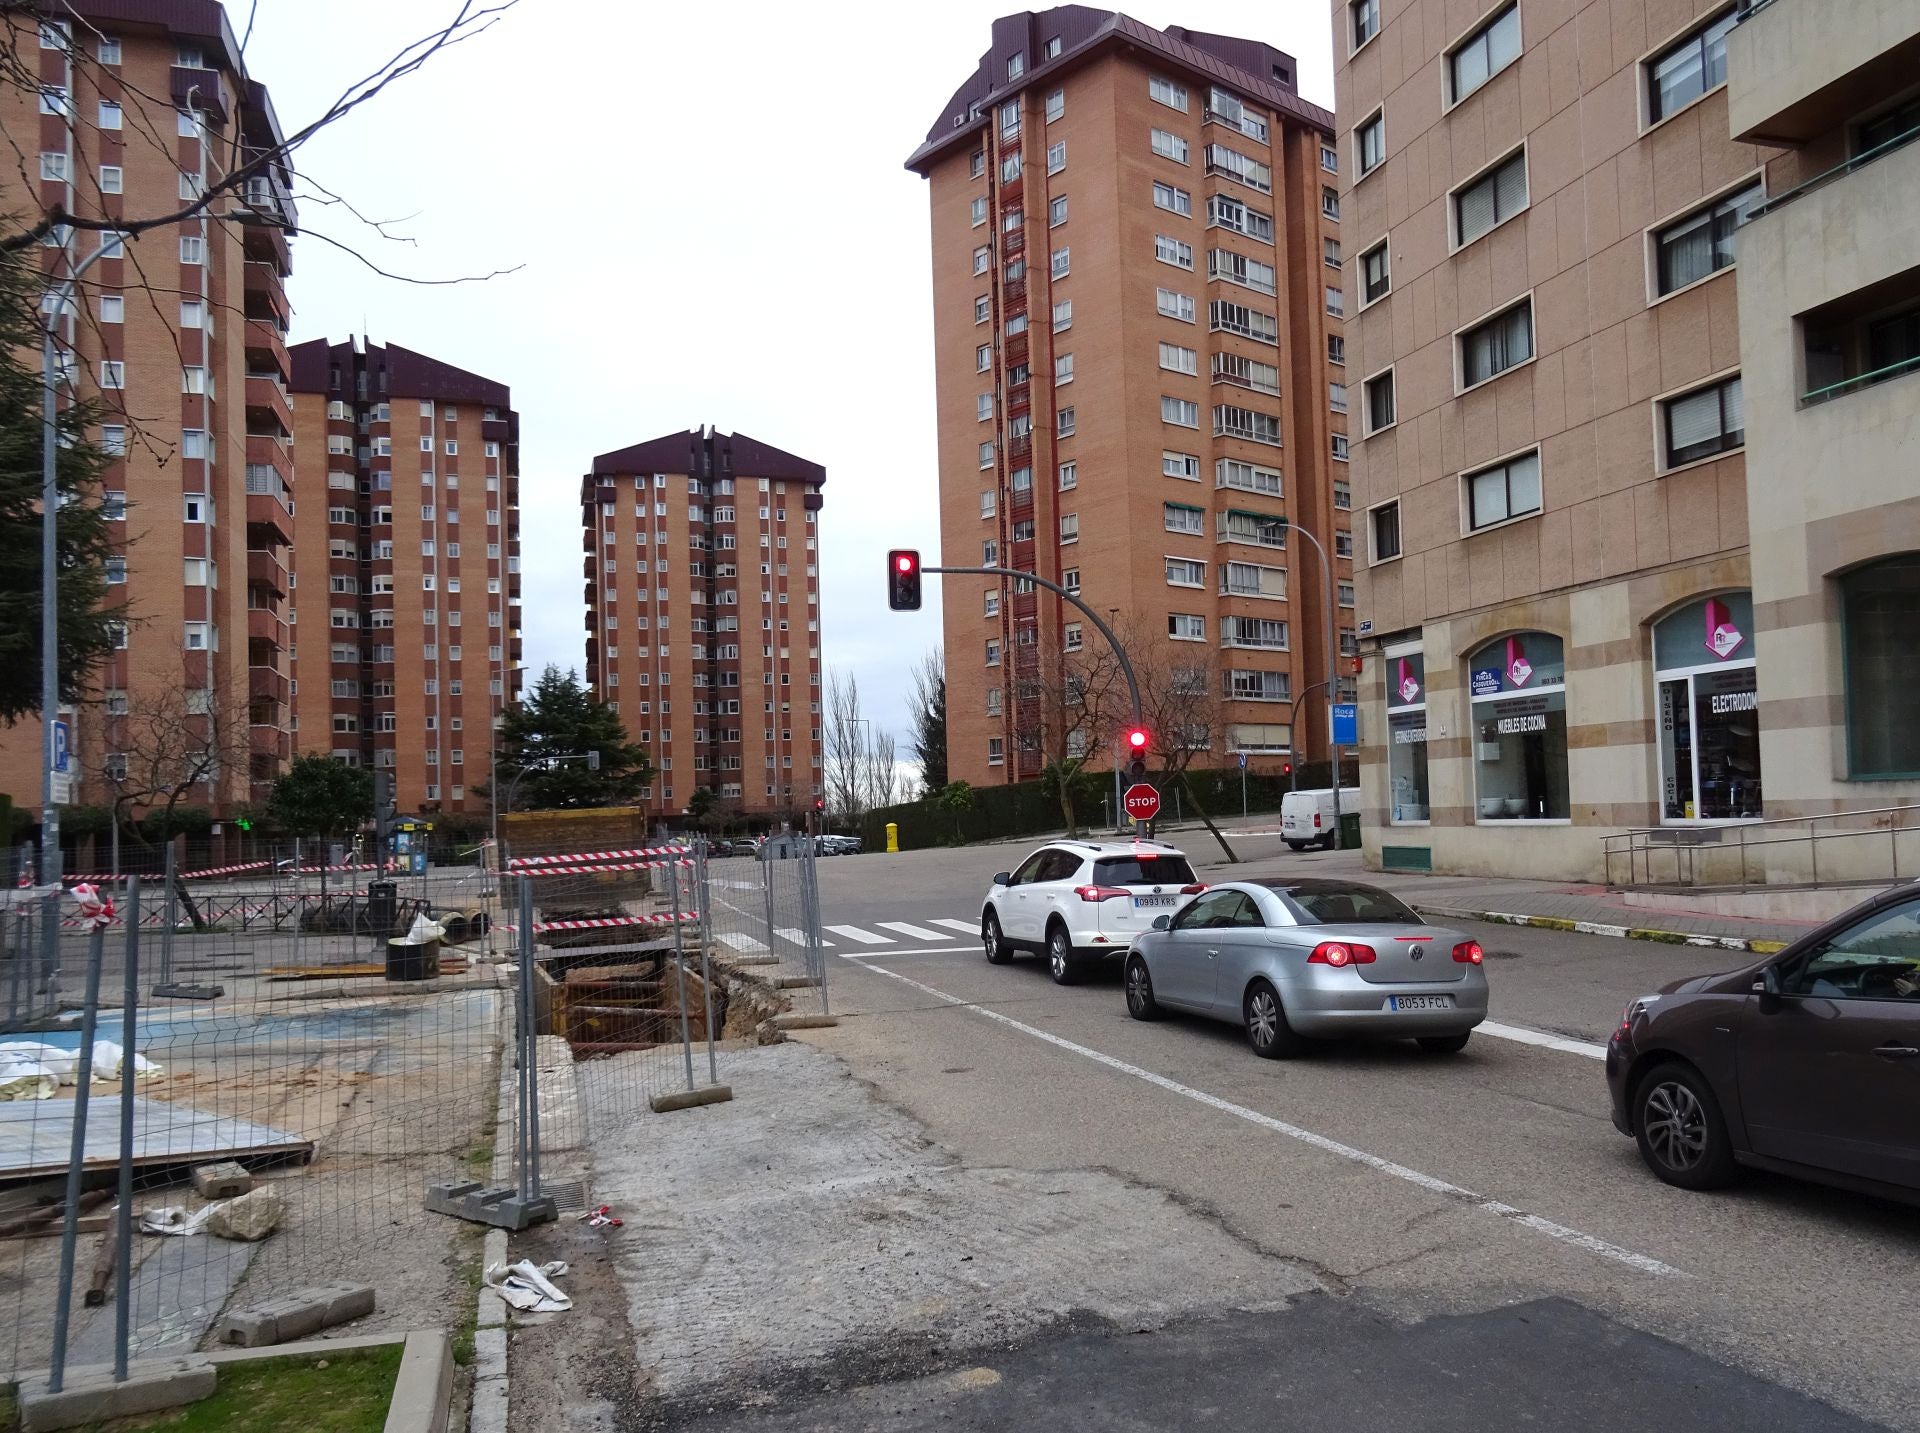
(903, 563)
(1137, 739)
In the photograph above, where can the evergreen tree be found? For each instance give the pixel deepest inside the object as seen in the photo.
(86, 631)
(318, 796)
(560, 718)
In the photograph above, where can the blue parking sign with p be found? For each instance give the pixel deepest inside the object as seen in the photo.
(60, 747)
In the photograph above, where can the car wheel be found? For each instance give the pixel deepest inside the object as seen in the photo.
(1061, 964)
(998, 951)
(1267, 1029)
(1681, 1133)
(1140, 1002)
(1445, 1044)
(1296, 846)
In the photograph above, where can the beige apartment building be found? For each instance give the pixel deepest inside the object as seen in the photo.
(1636, 296)
(1136, 245)
(702, 572)
(180, 334)
(407, 644)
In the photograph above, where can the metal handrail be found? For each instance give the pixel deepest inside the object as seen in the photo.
(1683, 843)
(1839, 171)
(1862, 380)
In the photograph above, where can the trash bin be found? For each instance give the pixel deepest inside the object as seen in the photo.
(383, 907)
(1350, 830)
(413, 960)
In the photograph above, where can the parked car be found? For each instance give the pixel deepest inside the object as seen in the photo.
(1081, 903)
(1293, 961)
(1306, 817)
(1806, 1063)
(838, 845)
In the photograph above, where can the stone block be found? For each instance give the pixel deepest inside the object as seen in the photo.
(225, 1180)
(302, 1312)
(92, 1396)
(250, 1217)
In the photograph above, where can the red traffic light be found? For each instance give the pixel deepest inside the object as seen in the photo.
(819, 803)
(1137, 739)
(903, 580)
(903, 562)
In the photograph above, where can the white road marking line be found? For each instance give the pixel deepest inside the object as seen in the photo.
(738, 941)
(1521, 1035)
(865, 937)
(1593, 1244)
(798, 937)
(964, 927)
(917, 932)
(863, 956)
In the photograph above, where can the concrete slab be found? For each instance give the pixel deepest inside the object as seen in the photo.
(91, 1395)
(296, 1314)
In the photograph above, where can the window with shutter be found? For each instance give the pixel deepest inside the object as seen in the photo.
(1491, 199)
(1705, 422)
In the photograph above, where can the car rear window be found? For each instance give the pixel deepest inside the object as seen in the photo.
(1143, 871)
(1329, 905)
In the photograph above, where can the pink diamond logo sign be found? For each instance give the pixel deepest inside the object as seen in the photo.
(1723, 638)
(1519, 669)
(1409, 685)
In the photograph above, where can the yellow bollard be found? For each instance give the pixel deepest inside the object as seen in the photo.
(893, 836)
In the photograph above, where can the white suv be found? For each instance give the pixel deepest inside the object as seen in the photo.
(1079, 902)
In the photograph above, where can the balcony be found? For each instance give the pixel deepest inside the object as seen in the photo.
(269, 452)
(264, 684)
(265, 570)
(269, 741)
(1797, 70)
(269, 521)
(194, 88)
(268, 403)
(263, 281)
(266, 627)
(267, 348)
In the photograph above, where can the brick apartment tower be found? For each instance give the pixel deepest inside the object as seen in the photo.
(1136, 313)
(408, 548)
(182, 337)
(702, 572)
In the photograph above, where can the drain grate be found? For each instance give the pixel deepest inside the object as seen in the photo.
(569, 1196)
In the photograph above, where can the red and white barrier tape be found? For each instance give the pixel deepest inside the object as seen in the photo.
(596, 857)
(96, 910)
(595, 870)
(606, 923)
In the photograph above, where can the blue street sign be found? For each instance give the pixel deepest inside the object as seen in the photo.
(61, 749)
(1346, 724)
(1243, 761)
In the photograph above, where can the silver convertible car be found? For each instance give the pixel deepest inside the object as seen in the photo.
(1298, 960)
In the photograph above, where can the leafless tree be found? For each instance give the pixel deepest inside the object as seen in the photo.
(882, 779)
(846, 749)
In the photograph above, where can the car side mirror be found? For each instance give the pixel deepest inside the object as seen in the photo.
(1001, 878)
(1767, 987)
(1162, 922)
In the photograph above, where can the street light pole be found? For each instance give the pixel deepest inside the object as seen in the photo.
(1333, 686)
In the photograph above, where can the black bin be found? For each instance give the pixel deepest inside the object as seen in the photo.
(413, 960)
(383, 907)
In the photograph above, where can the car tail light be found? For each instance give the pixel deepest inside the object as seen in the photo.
(1340, 952)
(1095, 894)
(1468, 952)
(1316, 820)
(1197, 888)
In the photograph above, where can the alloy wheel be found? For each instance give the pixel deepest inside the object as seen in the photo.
(1263, 1018)
(1676, 1125)
(1057, 953)
(1139, 986)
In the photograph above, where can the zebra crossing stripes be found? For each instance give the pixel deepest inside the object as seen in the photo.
(739, 942)
(864, 937)
(964, 927)
(798, 937)
(914, 931)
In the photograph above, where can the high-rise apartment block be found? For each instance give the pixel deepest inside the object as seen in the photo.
(1138, 322)
(408, 552)
(1635, 330)
(179, 332)
(702, 567)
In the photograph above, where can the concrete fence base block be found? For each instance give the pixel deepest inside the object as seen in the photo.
(498, 1205)
(92, 1396)
(423, 1389)
(794, 982)
(302, 1312)
(691, 1099)
(794, 1021)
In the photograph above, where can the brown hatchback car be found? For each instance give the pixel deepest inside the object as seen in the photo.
(1807, 1063)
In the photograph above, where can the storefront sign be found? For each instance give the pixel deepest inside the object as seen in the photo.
(1723, 637)
(1486, 682)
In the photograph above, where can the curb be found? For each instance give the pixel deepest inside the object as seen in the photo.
(1755, 945)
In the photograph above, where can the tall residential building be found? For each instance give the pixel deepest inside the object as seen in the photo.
(408, 548)
(1138, 326)
(179, 333)
(702, 567)
(1635, 288)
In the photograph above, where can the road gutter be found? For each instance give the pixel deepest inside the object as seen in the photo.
(1756, 945)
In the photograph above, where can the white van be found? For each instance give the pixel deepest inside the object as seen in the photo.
(1306, 817)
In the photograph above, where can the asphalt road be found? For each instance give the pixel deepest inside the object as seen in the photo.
(1417, 1189)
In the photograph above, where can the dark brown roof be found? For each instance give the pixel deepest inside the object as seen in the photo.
(1249, 67)
(709, 452)
(409, 374)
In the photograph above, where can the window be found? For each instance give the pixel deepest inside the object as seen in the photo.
(1176, 359)
(1490, 200)
(1063, 424)
(193, 379)
(1022, 531)
(1016, 324)
(1016, 65)
(198, 636)
(982, 309)
(1330, 252)
(1329, 204)
(1069, 527)
(1370, 144)
(1346, 592)
(983, 411)
(1069, 476)
(1172, 251)
(54, 100)
(1407, 737)
(1340, 448)
(1880, 604)
(1179, 517)
(1232, 422)
(1239, 168)
(1702, 243)
(1259, 529)
(1174, 305)
(1250, 579)
(1057, 161)
(193, 249)
(1342, 495)
(1056, 100)
(1227, 317)
(1385, 524)
(1704, 422)
(1680, 75)
(1062, 263)
(1179, 411)
(1502, 342)
(1519, 703)
(982, 258)
(1248, 373)
(996, 750)
(1183, 627)
(53, 165)
(1708, 728)
(1169, 146)
(987, 507)
(1172, 198)
(1247, 477)
(1380, 401)
(1185, 572)
(1336, 301)
(1010, 168)
(1022, 480)
(989, 553)
(1180, 465)
(1167, 92)
(1376, 278)
(113, 373)
(1239, 269)
(1504, 491)
(1259, 632)
(983, 357)
(113, 439)
(1337, 397)
(1365, 15)
(116, 570)
(1484, 53)
(992, 604)
(113, 308)
(1063, 369)
(977, 211)
(1248, 686)
(977, 163)
(1063, 315)
(1226, 212)
(193, 442)
(993, 651)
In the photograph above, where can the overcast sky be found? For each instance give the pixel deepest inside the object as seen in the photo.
(705, 197)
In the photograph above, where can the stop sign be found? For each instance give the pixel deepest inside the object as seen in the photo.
(1142, 802)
